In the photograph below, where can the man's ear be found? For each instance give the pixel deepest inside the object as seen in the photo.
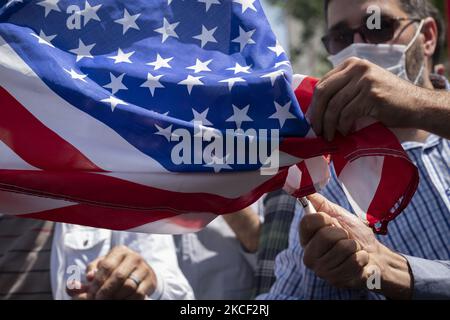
(430, 33)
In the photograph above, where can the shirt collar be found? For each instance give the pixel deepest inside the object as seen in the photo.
(432, 142)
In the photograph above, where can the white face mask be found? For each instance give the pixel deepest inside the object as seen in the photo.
(391, 57)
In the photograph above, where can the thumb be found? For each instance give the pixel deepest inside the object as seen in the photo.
(356, 228)
(322, 204)
(347, 220)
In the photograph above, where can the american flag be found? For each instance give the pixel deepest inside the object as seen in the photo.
(96, 97)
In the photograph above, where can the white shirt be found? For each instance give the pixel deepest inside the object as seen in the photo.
(215, 263)
(74, 247)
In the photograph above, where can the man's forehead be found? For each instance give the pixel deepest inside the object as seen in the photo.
(350, 12)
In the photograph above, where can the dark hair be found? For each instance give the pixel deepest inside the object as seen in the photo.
(420, 9)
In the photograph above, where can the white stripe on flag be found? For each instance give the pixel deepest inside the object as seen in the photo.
(359, 184)
(9, 160)
(167, 226)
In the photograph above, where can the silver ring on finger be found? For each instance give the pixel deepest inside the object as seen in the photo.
(135, 279)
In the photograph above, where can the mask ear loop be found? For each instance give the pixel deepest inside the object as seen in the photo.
(416, 36)
(418, 32)
(419, 75)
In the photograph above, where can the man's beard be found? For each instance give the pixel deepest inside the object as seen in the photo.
(415, 61)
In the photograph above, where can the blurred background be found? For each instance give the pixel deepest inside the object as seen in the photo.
(299, 27)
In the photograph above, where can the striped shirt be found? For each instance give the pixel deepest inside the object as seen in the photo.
(25, 250)
(422, 231)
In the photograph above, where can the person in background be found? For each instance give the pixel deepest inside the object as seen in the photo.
(220, 261)
(330, 253)
(42, 260)
(358, 88)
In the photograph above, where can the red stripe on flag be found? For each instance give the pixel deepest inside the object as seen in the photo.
(105, 191)
(391, 188)
(305, 92)
(305, 148)
(362, 142)
(34, 142)
(101, 217)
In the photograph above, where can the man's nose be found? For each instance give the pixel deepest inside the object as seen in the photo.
(357, 38)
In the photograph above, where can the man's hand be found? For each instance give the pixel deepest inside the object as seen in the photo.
(247, 227)
(357, 89)
(111, 277)
(342, 250)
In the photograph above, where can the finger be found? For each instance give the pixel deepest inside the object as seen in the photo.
(357, 228)
(310, 224)
(335, 107)
(322, 204)
(352, 112)
(146, 288)
(324, 91)
(341, 251)
(91, 269)
(343, 66)
(322, 242)
(130, 287)
(106, 267)
(75, 288)
(82, 296)
(117, 278)
(350, 273)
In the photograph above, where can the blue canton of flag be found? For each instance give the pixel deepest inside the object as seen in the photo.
(148, 68)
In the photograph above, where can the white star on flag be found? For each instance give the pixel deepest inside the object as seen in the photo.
(128, 21)
(283, 114)
(282, 63)
(44, 39)
(49, 5)
(160, 62)
(122, 57)
(218, 164)
(206, 36)
(232, 81)
(201, 117)
(273, 76)
(245, 38)
(240, 69)
(240, 116)
(246, 4)
(114, 102)
(90, 13)
(190, 82)
(152, 83)
(83, 51)
(209, 3)
(116, 83)
(278, 49)
(166, 133)
(75, 75)
(167, 30)
(200, 66)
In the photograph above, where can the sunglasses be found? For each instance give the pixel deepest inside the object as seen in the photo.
(337, 40)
